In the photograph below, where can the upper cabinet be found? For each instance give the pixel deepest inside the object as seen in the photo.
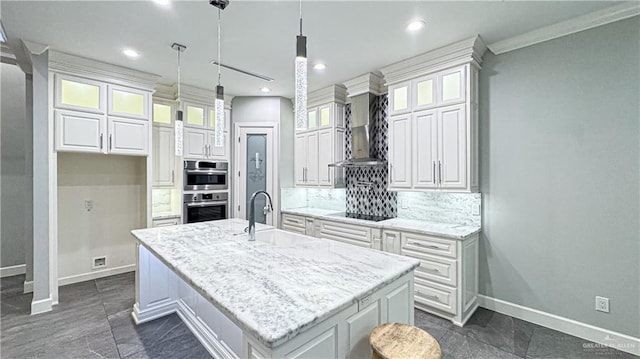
(433, 123)
(100, 117)
(77, 93)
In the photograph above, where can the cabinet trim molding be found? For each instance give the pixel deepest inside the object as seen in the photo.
(333, 93)
(369, 82)
(462, 52)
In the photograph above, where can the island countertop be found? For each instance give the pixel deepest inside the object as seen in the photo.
(277, 286)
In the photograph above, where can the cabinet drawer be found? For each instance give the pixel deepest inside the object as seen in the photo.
(166, 222)
(342, 232)
(437, 269)
(435, 295)
(293, 221)
(428, 244)
(294, 229)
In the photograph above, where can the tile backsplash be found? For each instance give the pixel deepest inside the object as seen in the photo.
(164, 200)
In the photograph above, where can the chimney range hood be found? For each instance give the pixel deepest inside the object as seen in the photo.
(361, 124)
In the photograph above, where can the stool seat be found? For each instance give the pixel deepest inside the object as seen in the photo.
(402, 341)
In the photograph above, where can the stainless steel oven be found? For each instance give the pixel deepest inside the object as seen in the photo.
(205, 206)
(205, 176)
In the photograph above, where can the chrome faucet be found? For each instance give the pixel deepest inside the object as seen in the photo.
(252, 213)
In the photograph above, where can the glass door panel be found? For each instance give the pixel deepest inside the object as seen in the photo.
(256, 178)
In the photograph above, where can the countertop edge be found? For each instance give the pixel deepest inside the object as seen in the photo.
(380, 224)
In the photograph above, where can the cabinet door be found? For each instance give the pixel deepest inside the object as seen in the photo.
(451, 86)
(128, 102)
(300, 156)
(324, 114)
(312, 158)
(424, 92)
(399, 99)
(128, 137)
(453, 147)
(194, 115)
(164, 158)
(425, 144)
(400, 151)
(312, 118)
(195, 142)
(359, 326)
(325, 157)
(391, 241)
(76, 93)
(162, 114)
(79, 132)
(215, 151)
(358, 235)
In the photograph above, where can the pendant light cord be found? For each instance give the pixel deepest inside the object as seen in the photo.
(219, 59)
(300, 17)
(179, 73)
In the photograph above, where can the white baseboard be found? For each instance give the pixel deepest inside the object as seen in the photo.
(157, 311)
(13, 270)
(605, 337)
(95, 274)
(28, 286)
(41, 306)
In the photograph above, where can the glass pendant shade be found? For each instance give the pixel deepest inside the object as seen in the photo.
(219, 121)
(301, 82)
(178, 132)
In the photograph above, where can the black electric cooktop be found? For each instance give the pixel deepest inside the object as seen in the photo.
(366, 217)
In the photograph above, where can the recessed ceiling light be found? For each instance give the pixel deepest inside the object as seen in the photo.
(131, 53)
(265, 89)
(162, 2)
(319, 66)
(415, 25)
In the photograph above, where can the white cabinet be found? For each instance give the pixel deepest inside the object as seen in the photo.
(200, 144)
(83, 132)
(314, 151)
(127, 102)
(80, 94)
(433, 132)
(306, 158)
(164, 157)
(128, 136)
(400, 151)
(164, 222)
(446, 283)
(345, 232)
(79, 132)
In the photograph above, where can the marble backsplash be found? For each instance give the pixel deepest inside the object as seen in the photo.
(458, 208)
(164, 200)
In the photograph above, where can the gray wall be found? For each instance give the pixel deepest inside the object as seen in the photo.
(560, 175)
(13, 166)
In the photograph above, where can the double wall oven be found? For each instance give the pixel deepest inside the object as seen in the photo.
(206, 196)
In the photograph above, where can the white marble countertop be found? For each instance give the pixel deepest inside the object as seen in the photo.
(448, 230)
(277, 286)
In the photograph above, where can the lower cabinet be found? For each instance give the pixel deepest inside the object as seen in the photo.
(446, 282)
(164, 222)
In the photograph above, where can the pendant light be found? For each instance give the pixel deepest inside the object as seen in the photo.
(178, 122)
(219, 104)
(301, 78)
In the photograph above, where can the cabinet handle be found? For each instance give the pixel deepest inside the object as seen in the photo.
(101, 142)
(390, 173)
(432, 270)
(434, 172)
(434, 297)
(110, 143)
(440, 171)
(424, 245)
(173, 175)
(328, 174)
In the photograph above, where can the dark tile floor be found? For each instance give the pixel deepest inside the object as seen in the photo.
(93, 320)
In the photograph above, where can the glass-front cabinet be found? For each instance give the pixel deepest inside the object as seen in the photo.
(77, 93)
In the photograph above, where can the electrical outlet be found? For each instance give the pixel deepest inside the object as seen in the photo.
(475, 209)
(602, 304)
(99, 262)
(88, 205)
(403, 204)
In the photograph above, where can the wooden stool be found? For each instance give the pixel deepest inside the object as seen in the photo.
(402, 341)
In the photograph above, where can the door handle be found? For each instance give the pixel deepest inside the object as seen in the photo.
(101, 142)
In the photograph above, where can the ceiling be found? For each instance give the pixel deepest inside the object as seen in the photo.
(351, 37)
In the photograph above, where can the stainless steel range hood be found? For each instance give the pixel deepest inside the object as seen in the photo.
(361, 121)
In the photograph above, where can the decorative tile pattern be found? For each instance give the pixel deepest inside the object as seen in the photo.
(347, 131)
(367, 186)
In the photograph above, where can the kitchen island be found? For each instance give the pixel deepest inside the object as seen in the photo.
(283, 295)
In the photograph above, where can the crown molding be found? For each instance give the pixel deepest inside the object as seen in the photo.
(333, 93)
(367, 83)
(469, 50)
(198, 94)
(66, 63)
(581, 23)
